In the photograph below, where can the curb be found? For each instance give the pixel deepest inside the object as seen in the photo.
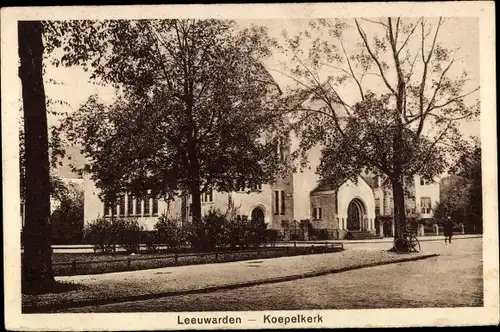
(420, 239)
(143, 297)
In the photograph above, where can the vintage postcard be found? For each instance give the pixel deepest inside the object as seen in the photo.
(249, 166)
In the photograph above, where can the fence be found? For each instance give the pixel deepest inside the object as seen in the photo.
(436, 230)
(129, 263)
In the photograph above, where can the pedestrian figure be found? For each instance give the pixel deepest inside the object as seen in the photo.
(448, 229)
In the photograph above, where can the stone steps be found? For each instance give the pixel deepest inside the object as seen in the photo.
(362, 235)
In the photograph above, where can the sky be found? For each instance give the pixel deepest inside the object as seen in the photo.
(75, 86)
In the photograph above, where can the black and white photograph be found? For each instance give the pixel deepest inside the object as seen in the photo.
(249, 166)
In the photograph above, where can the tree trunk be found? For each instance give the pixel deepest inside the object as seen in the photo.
(399, 207)
(37, 274)
(194, 173)
(196, 200)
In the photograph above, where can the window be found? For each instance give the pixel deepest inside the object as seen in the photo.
(280, 149)
(138, 206)
(317, 215)
(146, 205)
(282, 202)
(377, 206)
(107, 208)
(240, 185)
(207, 197)
(257, 187)
(410, 210)
(155, 206)
(190, 210)
(425, 205)
(121, 203)
(279, 202)
(114, 207)
(423, 182)
(276, 202)
(130, 205)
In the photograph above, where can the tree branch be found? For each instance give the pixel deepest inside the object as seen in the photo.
(431, 102)
(375, 22)
(352, 71)
(408, 37)
(365, 41)
(452, 100)
(430, 149)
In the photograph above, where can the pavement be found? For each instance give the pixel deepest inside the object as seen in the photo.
(195, 279)
(453, 279)
(87, 248)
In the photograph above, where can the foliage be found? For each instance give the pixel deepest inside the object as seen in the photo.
(57, 187)
(106, 233)
(67, 219)
(405, 119)
(208, 234)
(194, 104)
(462, 191)
(170, 232)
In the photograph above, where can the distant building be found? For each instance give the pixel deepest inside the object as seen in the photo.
(421, 198)
(297, 196)
(350, 207)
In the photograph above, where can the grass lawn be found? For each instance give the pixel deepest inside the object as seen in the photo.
(94, 263)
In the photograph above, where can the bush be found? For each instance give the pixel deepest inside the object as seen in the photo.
(215, 231)
(170, 232)
(66, 220)
(321, 234)
(255, 233)
(235, 232)
(208, 234)
(271, 235)
(106, 233)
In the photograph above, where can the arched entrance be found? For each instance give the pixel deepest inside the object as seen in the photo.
(355, 215)
(258, 214)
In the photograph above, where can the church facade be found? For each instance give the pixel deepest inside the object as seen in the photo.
(355, 206)
(295, 197)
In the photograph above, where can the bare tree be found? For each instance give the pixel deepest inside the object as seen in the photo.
(405, 120)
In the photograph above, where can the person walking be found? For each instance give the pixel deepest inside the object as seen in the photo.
(448, 229)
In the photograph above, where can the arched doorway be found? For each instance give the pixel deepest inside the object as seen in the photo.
(355, 215)
(258, 214)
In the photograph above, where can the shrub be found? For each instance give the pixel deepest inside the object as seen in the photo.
(170, 232)
(271, 235)
(208, 233)
(255, 233)
(66, 220)
(106, 233)
(99, 233)
(235, 231)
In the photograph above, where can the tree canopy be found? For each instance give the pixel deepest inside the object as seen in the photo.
(389, 104)
(195, 110)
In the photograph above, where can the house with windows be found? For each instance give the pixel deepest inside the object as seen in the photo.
(421, 198)
(350, 208)
(297, 196)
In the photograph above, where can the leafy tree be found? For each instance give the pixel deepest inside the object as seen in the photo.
(37, 274)
(463, 190)
(405, 118)
(67, 219)
(194, 106)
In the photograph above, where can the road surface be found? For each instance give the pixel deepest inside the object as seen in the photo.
(454, 279)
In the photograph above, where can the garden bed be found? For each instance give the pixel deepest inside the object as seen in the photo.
(96, 263)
